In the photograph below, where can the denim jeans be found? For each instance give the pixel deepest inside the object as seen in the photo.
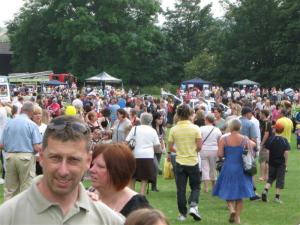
(183, 174)
(173, 162)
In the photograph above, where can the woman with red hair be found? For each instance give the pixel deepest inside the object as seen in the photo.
(112, 168)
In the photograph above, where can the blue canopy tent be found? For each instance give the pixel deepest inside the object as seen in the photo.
(197, 82)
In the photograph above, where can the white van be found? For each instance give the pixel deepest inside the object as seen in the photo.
(4, 89)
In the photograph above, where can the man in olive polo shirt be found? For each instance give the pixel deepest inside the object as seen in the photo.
(58, 197)
(187, 138)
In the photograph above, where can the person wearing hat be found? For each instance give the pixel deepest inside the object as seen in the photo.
(288, 127)
(287, 124)
(248, 129)
(278, 150)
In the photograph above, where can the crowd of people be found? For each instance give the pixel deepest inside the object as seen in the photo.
(68, 136)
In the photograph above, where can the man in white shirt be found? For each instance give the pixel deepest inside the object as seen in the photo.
(77, 102)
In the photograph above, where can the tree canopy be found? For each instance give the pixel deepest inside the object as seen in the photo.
(258, 40)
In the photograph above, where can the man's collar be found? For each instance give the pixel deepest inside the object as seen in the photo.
(184, 121)
(40, 203)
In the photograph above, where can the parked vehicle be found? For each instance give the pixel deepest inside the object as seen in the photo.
(4, 89)
(209, 104)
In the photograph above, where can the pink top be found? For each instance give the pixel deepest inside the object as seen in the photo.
(275, 114)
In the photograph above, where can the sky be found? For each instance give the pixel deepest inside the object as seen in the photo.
(9, 7)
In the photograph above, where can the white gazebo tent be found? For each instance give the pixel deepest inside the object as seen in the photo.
(103, 78)
(246, 82)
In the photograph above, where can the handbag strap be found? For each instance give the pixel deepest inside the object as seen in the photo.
(118, 131)
(134, 131)
(244, 142)
(208, 135)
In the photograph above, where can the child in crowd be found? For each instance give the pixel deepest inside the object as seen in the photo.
(278, 147)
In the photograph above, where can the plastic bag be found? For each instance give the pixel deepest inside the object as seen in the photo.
(249, 163)
(168, 170)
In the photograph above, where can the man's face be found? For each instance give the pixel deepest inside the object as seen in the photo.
(249, 115)
(64, 164)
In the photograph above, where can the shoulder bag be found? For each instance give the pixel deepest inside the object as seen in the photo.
(249, 163)
(132, 141)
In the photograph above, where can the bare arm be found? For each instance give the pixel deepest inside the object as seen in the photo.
(198, 144)
(251, 144)
(221, 148)
(286, 156)
(127, 130)
(265, 138)
(171, 147)
(157, 148)
(37, 148)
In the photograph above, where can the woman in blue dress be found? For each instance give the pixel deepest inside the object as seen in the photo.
(233, 184)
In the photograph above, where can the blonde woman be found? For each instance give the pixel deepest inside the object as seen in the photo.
(37, 117)
(233, 184)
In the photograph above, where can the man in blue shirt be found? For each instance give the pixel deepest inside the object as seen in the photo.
(21, 139)
(248, 129)
(113, 108)
(122, 102)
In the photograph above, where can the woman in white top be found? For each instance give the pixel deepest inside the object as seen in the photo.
(210, 136)
(146, 141)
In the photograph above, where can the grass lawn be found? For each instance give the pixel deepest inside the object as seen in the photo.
(214, 211)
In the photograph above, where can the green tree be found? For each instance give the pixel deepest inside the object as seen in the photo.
(86, 37)
(247, 51)
(260, 42)
(189, 30)
(202, 65)
(287, 45)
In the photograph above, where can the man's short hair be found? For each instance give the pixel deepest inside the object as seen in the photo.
(246, 110)
(27, 107)
(67, 128)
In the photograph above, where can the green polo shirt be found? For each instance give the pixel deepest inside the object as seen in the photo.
(31, 207)
(184, 136)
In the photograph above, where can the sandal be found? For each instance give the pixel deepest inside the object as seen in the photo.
(231, 217)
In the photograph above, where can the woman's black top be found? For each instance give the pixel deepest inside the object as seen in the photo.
(136, 202)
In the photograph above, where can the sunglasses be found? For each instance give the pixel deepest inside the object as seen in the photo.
(76, 126)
